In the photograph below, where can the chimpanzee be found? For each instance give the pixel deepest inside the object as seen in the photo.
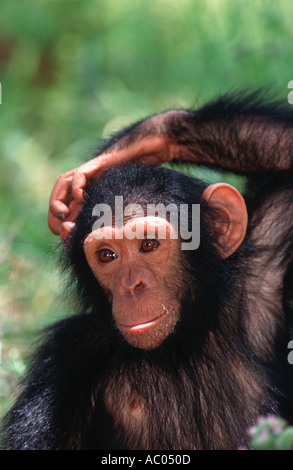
(172, 348)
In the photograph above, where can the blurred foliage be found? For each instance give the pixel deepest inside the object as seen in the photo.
(270, 433)
(74, 71)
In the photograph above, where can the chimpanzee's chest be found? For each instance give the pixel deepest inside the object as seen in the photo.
(144, 417)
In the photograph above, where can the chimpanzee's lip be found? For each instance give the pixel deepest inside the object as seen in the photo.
(147, 325)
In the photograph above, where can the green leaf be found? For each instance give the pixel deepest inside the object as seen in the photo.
(285, 440)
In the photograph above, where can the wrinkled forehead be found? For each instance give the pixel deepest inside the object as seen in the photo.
(134, 228)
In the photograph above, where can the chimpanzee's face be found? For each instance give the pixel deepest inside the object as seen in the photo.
(141, 277)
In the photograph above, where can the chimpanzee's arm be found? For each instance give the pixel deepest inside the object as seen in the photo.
(243, 135)
(43, 417)
(29, 423)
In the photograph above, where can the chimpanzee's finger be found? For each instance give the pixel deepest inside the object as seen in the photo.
(79, 181)
(59, 201)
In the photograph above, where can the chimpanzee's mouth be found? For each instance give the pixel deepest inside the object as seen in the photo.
(137, 328)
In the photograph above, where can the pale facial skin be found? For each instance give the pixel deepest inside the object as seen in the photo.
(140, 278)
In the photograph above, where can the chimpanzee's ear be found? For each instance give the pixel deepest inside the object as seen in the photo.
(231, 231)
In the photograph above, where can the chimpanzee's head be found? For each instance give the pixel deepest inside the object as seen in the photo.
(147, 236)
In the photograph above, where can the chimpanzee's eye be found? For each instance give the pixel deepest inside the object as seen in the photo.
(149, 245)
(106, 255)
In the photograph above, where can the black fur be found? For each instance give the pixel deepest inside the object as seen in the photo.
(226, 362)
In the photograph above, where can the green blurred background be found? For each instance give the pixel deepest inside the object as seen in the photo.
(74, 71)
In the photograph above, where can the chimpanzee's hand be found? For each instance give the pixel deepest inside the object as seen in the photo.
(67, 195)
